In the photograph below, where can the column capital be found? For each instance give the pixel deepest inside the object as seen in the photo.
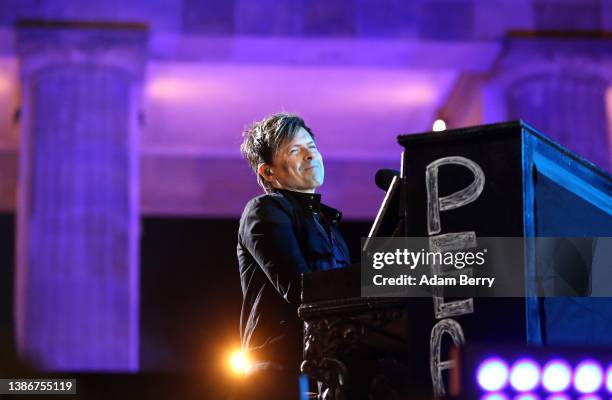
(557, 82)
(526, 56)
(42, 44)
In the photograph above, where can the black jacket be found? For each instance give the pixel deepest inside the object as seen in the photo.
(282, 235)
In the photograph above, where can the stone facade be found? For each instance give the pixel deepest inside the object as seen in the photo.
(77, 212)
(89, 99)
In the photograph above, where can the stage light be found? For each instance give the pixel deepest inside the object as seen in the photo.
(558, 397)
(526, 396)
(556, 376)
(548, 373)
(494, 396)
(439, 125)
(239, 362)
(524, 375)
(492, 374)
(609, 379)
(588, 377)
(590, 397)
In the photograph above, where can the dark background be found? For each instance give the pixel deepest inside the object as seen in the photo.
(190, 296)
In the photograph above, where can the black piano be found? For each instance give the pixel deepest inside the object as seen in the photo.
(360, 347)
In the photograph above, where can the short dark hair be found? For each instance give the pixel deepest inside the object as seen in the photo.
(263, 138)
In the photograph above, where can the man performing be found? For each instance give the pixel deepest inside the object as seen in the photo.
(283, 233)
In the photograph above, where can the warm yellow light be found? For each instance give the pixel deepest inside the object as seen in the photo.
(439, 125)
(239, 362)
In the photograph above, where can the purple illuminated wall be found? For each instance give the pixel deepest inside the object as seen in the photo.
(99, 126)
(77, 259)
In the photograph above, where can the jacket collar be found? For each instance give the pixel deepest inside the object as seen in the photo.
(312, 202)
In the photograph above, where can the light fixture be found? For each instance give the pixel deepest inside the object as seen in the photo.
(588, 377)
(439, 125)
(556, 376)
(525, 375)
(239, 362)
(492, 374)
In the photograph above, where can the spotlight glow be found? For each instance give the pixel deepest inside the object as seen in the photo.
(556, 376)
(439, 125)
(239, 362)
(588, 377)
(590, 397)
(558, 397)
(525, 375)
(526, 396)
(492, 374)
(494, 396)
(609, 379)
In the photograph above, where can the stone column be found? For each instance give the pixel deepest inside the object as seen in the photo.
(559, 86)
(77, 273)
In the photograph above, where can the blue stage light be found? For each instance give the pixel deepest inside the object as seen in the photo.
(609, 379)
(556, 376)
(492, 374)
(588, 377)
(558, 397)
(590, 397)
(526, 396)
(525, 375)
(494, 396)
(523, 372)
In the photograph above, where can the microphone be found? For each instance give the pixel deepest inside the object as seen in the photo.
(384, 177)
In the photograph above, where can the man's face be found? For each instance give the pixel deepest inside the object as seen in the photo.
(298, 165)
